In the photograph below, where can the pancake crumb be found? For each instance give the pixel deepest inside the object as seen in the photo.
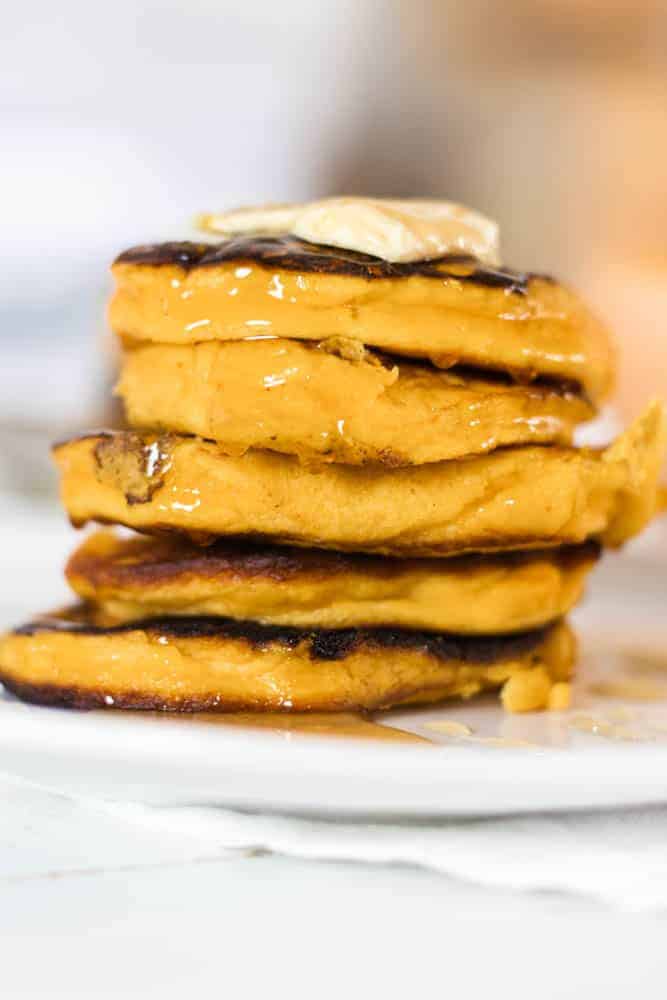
(560, 697)
(527, 691)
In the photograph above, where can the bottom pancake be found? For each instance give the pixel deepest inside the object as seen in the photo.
(216, 664)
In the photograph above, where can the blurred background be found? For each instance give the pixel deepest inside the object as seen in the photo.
(120, 121)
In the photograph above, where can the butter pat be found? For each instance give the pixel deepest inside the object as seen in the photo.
(394, 230)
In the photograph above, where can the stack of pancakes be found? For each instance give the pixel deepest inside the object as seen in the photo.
(354, 481)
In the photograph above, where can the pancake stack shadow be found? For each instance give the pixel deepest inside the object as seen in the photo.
(349, 484)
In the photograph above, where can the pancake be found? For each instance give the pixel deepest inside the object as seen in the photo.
(528, 497)
(451, 311)
(134, 578)
(308, 400)
(197, 664)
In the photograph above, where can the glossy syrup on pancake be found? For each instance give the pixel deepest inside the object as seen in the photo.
(452, 310)
(336, 401)
(293, 254)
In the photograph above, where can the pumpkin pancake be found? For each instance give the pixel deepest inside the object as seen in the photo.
(130, 578)
(209, 664)
(337, 402)
(527, 497)
(451, 311)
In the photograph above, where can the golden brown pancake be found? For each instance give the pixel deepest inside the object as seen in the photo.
(187, 665)
(450, 311)
(133, 578)
(528, 497)
(308, 400)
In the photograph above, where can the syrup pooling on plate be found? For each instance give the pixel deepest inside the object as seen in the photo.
(347, 725)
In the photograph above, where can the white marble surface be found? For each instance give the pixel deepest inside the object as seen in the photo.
(93, 907)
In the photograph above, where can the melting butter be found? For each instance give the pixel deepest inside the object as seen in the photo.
(396, 230)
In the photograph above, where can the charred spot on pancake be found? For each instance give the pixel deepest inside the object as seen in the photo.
(292, 254)
(126, 461)
(321, 644)
(465, 648)
(334, 644)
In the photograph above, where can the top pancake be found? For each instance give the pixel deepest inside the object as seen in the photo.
(451, 311)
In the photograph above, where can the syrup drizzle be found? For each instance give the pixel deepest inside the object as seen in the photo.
(292, 254)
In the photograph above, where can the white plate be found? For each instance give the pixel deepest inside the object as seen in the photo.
(162, 759)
